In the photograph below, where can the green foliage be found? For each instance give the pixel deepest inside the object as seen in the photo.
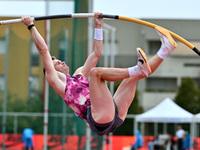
(34, 104)
(188, 96)
(16, 104)
(135, 108)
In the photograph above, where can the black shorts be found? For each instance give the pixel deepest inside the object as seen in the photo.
(102, 129)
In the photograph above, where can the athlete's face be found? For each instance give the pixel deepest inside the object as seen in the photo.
(61, 66)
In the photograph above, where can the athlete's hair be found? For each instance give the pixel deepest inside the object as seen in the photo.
(52, 57)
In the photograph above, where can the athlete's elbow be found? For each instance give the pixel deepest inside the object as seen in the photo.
(98, 54)
(43, 50)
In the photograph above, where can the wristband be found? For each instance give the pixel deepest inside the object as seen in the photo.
(30, 26)
(98, 34)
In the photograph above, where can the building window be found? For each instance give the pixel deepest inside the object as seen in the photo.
(34, 86)
(2, 46)
(2, 83)
(161, 84)
(35, 56)
(154, 46)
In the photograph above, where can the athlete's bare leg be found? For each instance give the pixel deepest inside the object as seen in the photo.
(102, 105)
(126, 91)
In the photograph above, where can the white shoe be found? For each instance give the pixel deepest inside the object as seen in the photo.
(168, 43)
(142, 64)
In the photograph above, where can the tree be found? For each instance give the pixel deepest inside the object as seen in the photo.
(188, 96)
(135, 108)
(16, 104)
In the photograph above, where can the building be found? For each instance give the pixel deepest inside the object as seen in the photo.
(24, 64)
(19, 49)
(183, 62)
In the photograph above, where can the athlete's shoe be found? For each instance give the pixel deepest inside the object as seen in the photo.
(142, 64)
(168, 43)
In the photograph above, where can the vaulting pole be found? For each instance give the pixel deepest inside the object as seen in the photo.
(87, 15)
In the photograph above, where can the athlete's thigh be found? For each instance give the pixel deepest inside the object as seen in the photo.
(102, 105)
(124, 96)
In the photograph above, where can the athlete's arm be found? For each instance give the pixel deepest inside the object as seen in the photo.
(93, 58)
(51, 73)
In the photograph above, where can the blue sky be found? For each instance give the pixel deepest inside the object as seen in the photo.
(167, 9)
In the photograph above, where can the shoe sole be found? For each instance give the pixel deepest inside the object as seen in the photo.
(167, 34)
(144, 57)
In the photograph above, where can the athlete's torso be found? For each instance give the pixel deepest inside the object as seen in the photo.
(77, 94)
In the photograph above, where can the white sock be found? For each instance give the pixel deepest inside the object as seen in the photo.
(163, 52)
(134, 71)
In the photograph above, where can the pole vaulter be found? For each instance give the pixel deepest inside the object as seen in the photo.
(88, 15)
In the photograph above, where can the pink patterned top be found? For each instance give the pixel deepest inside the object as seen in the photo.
(77, 94)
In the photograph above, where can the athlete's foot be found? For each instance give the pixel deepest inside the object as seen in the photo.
(142, 64)
(168, 43)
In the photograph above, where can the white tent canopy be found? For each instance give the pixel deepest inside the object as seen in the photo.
(166, 112)
(197, 117)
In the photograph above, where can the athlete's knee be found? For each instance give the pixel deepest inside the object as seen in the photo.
(103, 117)
(96, 72)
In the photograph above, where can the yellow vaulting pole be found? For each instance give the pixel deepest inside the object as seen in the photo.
(151, 25)
(87, 15)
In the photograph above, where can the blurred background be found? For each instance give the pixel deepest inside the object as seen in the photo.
(26, 100)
